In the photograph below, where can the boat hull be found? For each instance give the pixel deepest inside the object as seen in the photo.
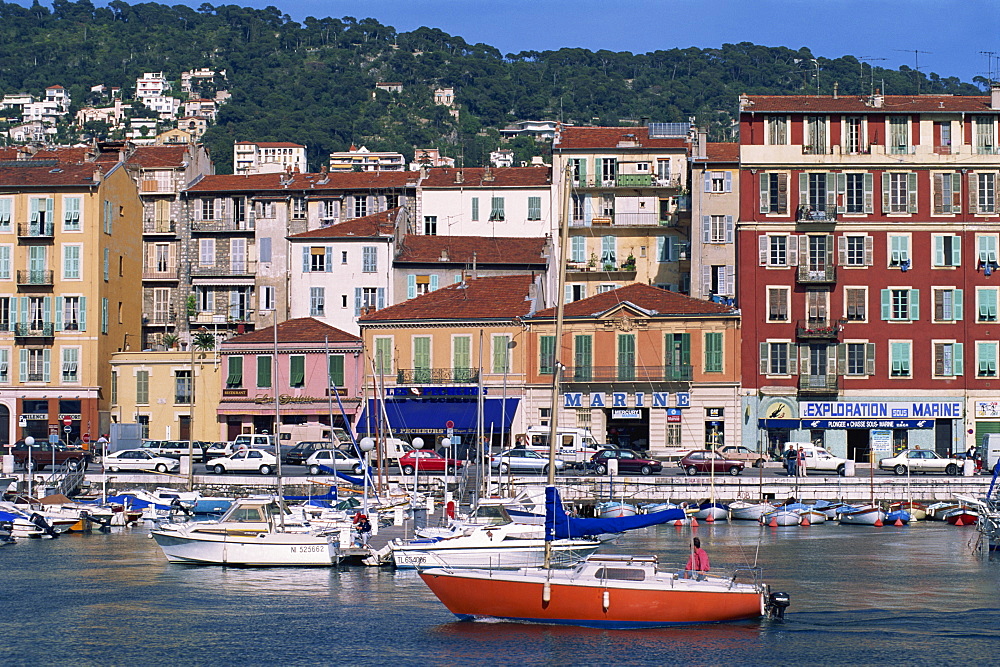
(258, 550)
(781, 518)
(739, 512)
(863, 517)
(613, 510)
(519, 597)
(529, 554)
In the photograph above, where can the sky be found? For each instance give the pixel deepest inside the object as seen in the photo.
(950, 34)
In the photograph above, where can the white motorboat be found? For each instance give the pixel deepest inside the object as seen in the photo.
(742, 510)
(250, 533)
(504, 546)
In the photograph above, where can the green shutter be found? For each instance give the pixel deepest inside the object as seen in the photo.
(422, 352)
(264, 371)
(583, 357)
(713, 352)
(915, 305)
(626, 357)
(461, 361)
(957, 359)
(501, 362)
(886, 304)
(336, 370)
(475, 209)
(957, 304)
(235, 377)
(547, 350)
(296, 370)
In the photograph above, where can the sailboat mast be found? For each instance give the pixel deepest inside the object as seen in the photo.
(557, 365)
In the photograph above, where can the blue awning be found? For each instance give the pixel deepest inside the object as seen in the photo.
(431, 416)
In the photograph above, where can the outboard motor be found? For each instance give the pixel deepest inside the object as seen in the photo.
(40, 521)
(177, 506)
(776, 604)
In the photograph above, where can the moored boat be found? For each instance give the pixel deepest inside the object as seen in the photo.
(613, 509)
(902, 516)
(962, 516)
(917, 511)
(868, 515)
(781, 517)
(717, 511)
(747, 511)
(813, 517)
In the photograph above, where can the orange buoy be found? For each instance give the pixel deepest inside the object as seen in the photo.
(805, 521)
(899, 522)
(878, 522)
(710, 518)
(774, 523)
(694, 522)
(678, 523)
(959, 522)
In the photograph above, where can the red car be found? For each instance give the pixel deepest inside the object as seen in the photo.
(703, 460)
(426, 460)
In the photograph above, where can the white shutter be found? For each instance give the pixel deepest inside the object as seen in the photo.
(763, 242)
(842, 251)
(793, 250)
(730, 280)
(729, 229)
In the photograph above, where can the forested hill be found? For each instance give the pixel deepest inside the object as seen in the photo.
(313, 82)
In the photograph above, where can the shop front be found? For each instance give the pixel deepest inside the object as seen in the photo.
(240, 414)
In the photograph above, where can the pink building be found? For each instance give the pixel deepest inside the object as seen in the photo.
(317, 364)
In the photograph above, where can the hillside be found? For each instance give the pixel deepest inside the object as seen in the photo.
(313, 82)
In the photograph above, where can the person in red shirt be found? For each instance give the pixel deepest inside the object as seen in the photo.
(698, 563)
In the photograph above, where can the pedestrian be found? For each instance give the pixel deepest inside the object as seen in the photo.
(102, 445)
(791, 457)
(698, 564)
(801, 462)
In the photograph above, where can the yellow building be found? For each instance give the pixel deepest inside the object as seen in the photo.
(70, 270)
(153, 389)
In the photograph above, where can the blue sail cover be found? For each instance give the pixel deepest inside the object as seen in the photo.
(561, 526)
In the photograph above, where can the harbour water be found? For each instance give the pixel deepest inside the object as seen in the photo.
(860, 595)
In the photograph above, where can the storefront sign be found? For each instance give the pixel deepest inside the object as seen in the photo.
(71, 416)
(880, 410)
(285, 399)
(684, 399)
(433, 391)
(674, 415)
(233, 392)
(867, 423)
(987, 409)
(35, 417)
(626, 414)
(619, 399)
(336, 391)
(714, 413)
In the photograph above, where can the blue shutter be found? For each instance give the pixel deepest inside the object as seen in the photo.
(706, 229)
(305, 259)
(957, 305)
(264, 249)
(708, 181)
(47, 308)
(381, 298)
(886, 304)
(83, 313)
(328, 260)
(46, 365)
(957, 359)
(59, 313)
(434, 282)
(729, 228)
(411, 286)
(357, 301)
(568, 296)
(23, 367)
(915, 305)
(729, 181)
(24, 310)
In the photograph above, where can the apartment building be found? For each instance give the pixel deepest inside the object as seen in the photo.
(268, 157)
(715, 207)
(362, 159)
(867, 241)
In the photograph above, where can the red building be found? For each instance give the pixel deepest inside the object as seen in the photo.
(868, 245)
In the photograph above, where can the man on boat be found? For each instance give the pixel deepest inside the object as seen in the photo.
(697, 564)
(363, 528)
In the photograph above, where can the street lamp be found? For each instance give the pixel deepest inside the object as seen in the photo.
(29, 442)
(446, 443)
(366, 445)
(418, 444)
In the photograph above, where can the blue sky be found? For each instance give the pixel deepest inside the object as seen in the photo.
(952, 31)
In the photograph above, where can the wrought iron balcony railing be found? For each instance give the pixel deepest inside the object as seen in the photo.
(436, 375)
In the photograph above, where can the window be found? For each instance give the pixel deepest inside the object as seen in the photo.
(475, 210)
(104, 316)
(343, 257)
(854, 135)
(205, 299)
(461, 358)
(580, 205)
(856, 250)
(266, 298)
(774, 193)
(575, 293)
(336, 370)
(497, 213)
(238, 255)
(777, 358)
(208, 209)
(947, 359)
(856, 190)
(107, 216)
(947, 305)
(298, 208)
(986, 359)
(899, 358)
(899, 250)
(983, 198)
(534, 208)
(240, 211)
(383, 355)
(677, 355)
(368, 297)
(501, 353)
(899, 134)
(608, 206)
(856, 304)
(6, 252)
(985, 135)
(234, 380)
(776, 250)
(264, 249)
(900, 304)
(663, 170)
(360, 206)
(114, 385)
(601, 289)
(816, 307)
(317, 259)
(142, 387)
(5, 313)
(608, 252)
(947, 250)
(777, 304)
(987, 247)
(713, 352)
(815, 135)
(317, 302)
(421, 358)
(182, 387)
(369, 259)
(717, 228)
(546, 355)
(899, 192)
(34, 365)
(609, 171)
(818, 194)
(582, 358)
(70, 364)
(777, 130)
(296, 370)
(718, 181)
(264, 371)
(947, 195)
(161, 305)
(579, 167)
(6, 213)
(430, 225)
(71, 316)
(986, 304)
(859, 358)
(206, 252)
(578, 249)
(71, 214)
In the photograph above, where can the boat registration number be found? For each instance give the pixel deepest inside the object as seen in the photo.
(309, 549)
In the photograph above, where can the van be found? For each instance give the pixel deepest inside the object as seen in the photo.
(817, 458)
(576, 446)
(392, 449)
(990, 451)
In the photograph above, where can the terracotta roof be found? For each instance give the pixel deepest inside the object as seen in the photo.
(648, 298)
(577, 138)
(460, 249)
(474, 177)
(366, 180)
(376, 224)
(300, 330)
(892, 104)
(497, 297)
(148, 157)
(26, 174)
(270, 144)
(723, 152)
(71, 154)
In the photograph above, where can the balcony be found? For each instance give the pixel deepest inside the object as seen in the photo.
(818, 385)
(631, 181)
(816, 214)
(634, 219)
(43, 278)
(817, 330)
(224, 316)
(159, 320)
(223, 225)
(153, 226)
(34, 329)
(35, 230)
(680, 373)
(437, 375)
(815, 149)
(247, 269)
(810, 275)
(159, 272)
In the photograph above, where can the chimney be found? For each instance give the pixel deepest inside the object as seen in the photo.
(701, 149)
(444, 255)
(995, 96)
(459, 176)
(835, 87)
(877, 99)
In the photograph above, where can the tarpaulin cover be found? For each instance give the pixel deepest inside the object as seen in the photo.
(561, 526)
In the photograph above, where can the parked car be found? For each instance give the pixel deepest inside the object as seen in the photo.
(818, 459)
(525, 460)
(919, 460)
(703, 460)
(140, 459)
(335, 459)
(298, 454)
(42, 455)
(425, 460)
(217, 450)
(745, 454)
(628, 461)
(244, 460)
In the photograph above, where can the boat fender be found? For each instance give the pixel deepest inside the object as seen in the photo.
(546, 592)
(606, 601)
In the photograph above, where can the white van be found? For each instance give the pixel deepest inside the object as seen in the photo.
(576, 445)
(817, 458)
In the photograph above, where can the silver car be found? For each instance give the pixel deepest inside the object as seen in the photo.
(525, 460)
(919, 460)
(332, 458)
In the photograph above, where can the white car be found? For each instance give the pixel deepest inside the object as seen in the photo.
(919, 460)
(244, 460)
(818, 459)
(333, 458)
(139, 459)
(526, 460)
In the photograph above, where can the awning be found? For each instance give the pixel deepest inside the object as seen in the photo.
(429, 416)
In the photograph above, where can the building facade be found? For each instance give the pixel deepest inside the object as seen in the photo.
(715, 207)
(867, 244)
(268, 157)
